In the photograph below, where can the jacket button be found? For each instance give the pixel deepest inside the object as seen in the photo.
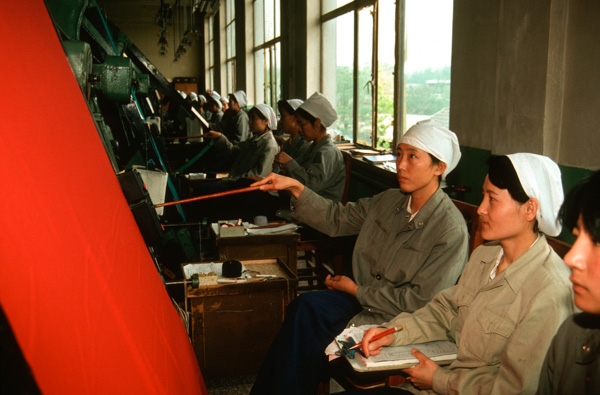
(420, 223)
(397, 209)
(586, 348)
(378, 276)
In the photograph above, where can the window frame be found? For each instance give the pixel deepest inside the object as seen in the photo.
(271, 89)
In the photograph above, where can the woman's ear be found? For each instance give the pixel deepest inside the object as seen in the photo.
(441, 168)
(531, 208)
(318, 124)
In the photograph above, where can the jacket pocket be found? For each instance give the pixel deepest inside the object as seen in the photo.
(487, 340)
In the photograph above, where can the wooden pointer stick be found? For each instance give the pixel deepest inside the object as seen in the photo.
(213, 195)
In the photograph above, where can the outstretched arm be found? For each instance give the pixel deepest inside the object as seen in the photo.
(275, 182)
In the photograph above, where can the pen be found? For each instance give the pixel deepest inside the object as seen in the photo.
(379, 336)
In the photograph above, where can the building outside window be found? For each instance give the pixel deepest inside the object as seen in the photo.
(363, 41)
(267, 51)
(230, 45)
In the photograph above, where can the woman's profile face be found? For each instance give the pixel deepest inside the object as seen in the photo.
(257, 125)
(414, 168)
(288, 123)
(584, 261)
(308, 131)
(501, 216)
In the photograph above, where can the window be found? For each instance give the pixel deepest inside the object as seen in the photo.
(210, 69)
(267, 51)
(230, 44)
(362, 43)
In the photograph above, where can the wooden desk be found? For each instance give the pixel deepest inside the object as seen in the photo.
(282, 246)
(233, 325)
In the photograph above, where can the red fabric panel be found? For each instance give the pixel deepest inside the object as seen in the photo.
(76, 281)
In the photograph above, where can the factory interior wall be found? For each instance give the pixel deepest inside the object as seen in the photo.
(78, 285)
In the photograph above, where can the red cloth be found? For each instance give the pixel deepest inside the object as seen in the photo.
(77, 283)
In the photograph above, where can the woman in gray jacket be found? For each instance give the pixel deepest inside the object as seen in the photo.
(412, 242)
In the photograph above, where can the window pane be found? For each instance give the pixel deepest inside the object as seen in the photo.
(259, 22)
(259, 77)
(365, 76)
(277, 82)
(277, 19)
(428, 56)
(229, 11)
(338, 65)
(230, 76)
(385, 74)
(328, 5)
(269, 20)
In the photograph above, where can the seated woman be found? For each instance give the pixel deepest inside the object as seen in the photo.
(321, 168)
(235, 123)
(572, 365)
(412, 242)
(295, 145)
(510, 299)
(214, 108)
(250, 158)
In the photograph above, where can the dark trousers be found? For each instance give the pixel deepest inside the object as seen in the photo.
(296, 359)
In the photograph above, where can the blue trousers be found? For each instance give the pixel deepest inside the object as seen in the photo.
(296, 359)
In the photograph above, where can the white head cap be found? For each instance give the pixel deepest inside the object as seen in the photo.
(436, 140)
(319, 107)
(295, 103)
(240, 97)
(193, 96)
(540, 179)
(216, 98)
(268, 112)
(202, 98)
(224, 99)
(182, 94)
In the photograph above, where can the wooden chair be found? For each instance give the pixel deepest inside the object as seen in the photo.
(319, 249)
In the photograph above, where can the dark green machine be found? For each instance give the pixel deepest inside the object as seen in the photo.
(125, 94)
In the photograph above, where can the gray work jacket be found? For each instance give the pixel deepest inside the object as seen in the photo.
(252, 157)
(398, 264)
(502, 327)
(321, 169)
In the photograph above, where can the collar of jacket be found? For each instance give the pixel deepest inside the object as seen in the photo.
(325, 140)
(420, 220)
(520, 270)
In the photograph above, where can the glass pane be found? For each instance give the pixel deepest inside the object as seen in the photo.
(328, 5)
(229, 11)
(269, 20)
(259, 76)
(277, 18)
(230, 76)
(427, 63)
(277, 85)
(385, 74)
(259, 22)
(338, 66)
(365, 76)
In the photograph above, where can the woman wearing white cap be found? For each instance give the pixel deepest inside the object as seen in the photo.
(321, 168)
(214, 107)
(511, 298)
(411, 243)
(254, 156)
(235, 123)
(294, 146)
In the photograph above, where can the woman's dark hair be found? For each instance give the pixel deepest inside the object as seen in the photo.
(503, 175)
(583, 199)
(256, 111)
(305, 115)
(283, 105)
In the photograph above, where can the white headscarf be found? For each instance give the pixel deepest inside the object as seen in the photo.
(193, 96)
(268, 112)
(540, 179)
(240, 97)
(436, 140)
(295, 103)
(217, 99)
(319, 107)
